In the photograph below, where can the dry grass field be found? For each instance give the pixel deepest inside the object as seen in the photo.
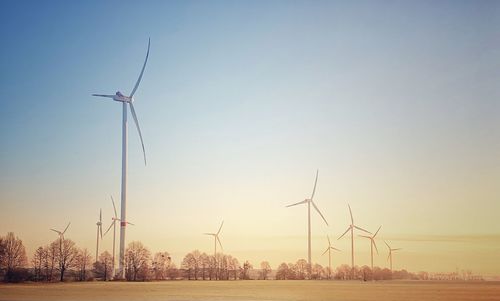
(254, 290)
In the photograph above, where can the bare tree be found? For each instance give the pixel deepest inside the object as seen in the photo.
(49, 260)
(137, 258)
(172, 271)
(282, 272)
(188, 264)
(37, 262)
(103, 267)
(82, 264)
(161, 263)
(317, 271)
(14, 255)
(66, 256)
(265, 269)
(302, 268)
(245, 270)
(204, 264)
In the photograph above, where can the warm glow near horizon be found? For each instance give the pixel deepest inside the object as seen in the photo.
(397, 105)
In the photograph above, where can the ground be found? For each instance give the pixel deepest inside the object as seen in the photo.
(254, 290)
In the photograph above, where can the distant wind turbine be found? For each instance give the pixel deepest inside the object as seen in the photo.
(118, 96)
(61, 236)
(61, 233)
(309, 202)
(216, 239)
(113, 224)
(372, 244)
(351, 228)
(390, 253)
(329, 250)
(99, 233)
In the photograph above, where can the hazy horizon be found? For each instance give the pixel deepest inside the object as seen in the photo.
(396, 104)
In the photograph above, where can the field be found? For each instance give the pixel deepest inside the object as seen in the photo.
(254, 290)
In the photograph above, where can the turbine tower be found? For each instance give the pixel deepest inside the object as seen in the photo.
(113, 224)
(309, 202)
(99, 231)
(372, 244)
(351, 228)
(329, 250)
(390, 253)
(126, 100)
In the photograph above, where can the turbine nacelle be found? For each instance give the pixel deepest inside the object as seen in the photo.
(123, 98)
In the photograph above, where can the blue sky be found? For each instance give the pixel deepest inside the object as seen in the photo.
(396, 103)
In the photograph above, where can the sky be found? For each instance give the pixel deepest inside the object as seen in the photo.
(395, 102)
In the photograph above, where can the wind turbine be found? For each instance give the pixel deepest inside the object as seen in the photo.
(329, 250)
(126, 100)
(390, 253)
(216, 239)
(61, 236)
(309, 202)
(113, 224)
(351, 228)
(99, 232)
(372, 244)
(61, 233)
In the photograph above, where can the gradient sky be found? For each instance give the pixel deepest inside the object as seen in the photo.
(396, 103)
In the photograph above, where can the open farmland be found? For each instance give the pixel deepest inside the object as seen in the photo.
(254, 290)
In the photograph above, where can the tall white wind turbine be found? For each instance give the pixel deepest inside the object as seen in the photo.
(372, 244)
(309, 202)
(126, 100)
(99, 234)
(390, 253)
(114, 219)
(329, 250)
(351, 228)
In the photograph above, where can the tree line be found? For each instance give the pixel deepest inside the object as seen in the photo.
(63, 260)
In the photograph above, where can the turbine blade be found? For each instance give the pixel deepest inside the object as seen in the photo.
(377, 232)
(325, 251)
(315, 207)
(103, 95)
(66, 228)
(220, 228)
(212, 234)
(58, 232)
(389, 256)
(100, 230)
(387, 245)
(329, 243)
(142, 71)
(365, 236)
(298, 203)
(350, 212)
(375, 245)
(100, 215)
(109, 228)
(362, 229)
(114, 207)
(396, 249)
(138, 129)
(349, 228)
(335, 249)
(315, 182)
(130, 223)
